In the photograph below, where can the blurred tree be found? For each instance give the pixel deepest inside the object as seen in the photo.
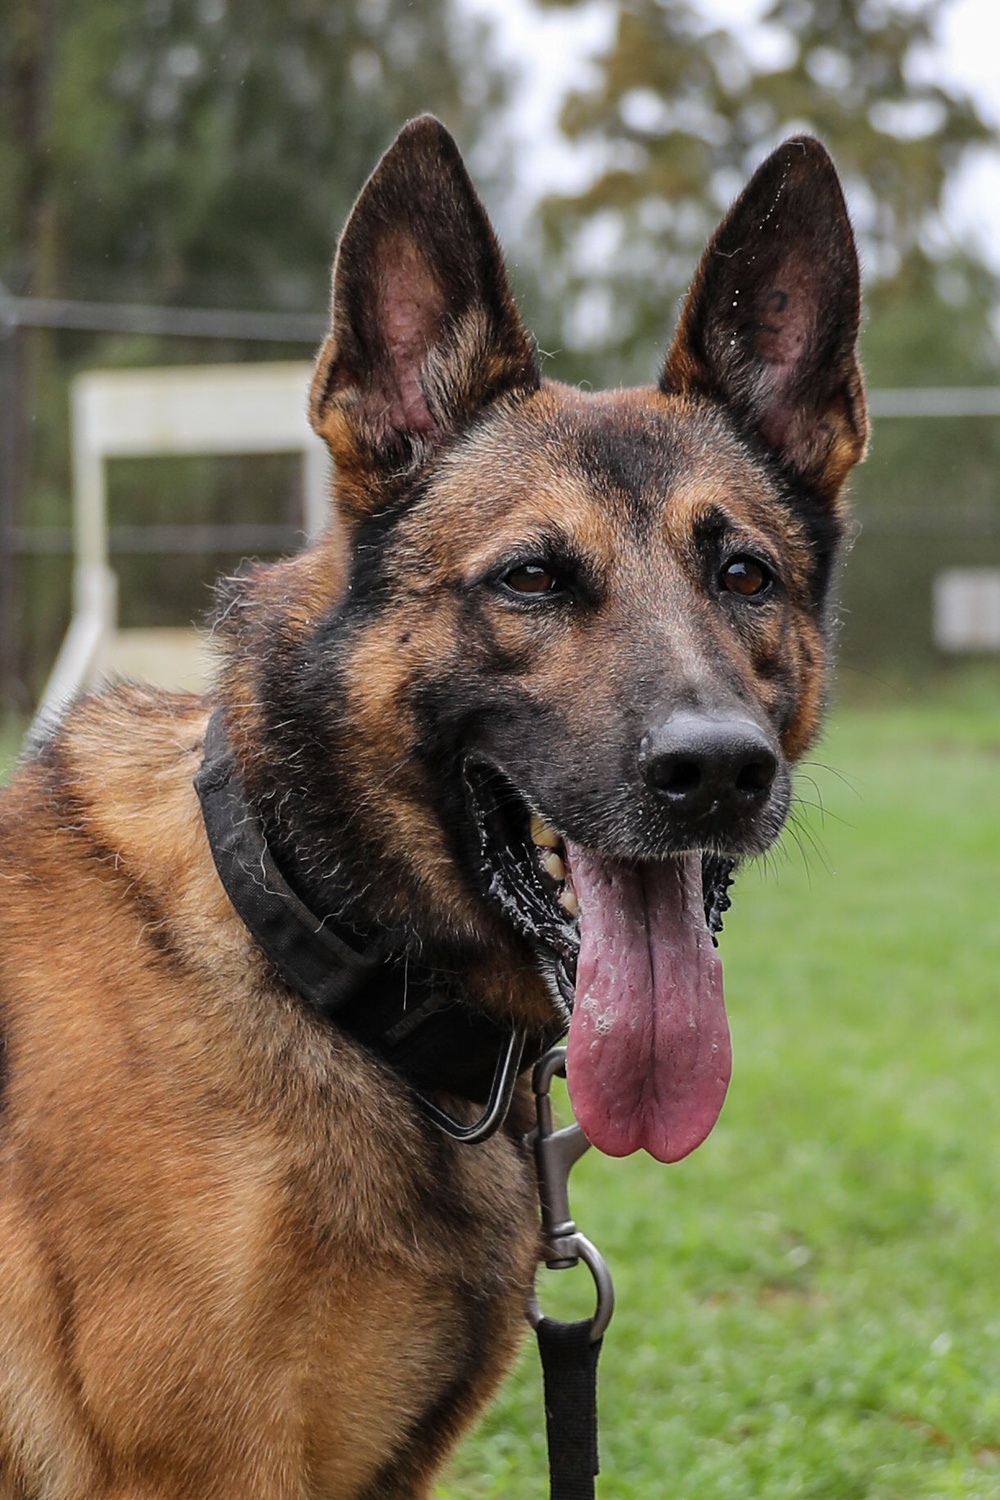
(678, 117)
(679, 113)
(25, 76)
(195, 151)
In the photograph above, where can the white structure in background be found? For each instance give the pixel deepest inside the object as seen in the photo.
(967, 609)
(966, 602)
(224, 409)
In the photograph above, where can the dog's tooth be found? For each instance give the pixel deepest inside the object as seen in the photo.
(543, 834)
(568, 901)
(553, 865)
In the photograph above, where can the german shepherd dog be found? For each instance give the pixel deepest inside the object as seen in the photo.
(476, 767)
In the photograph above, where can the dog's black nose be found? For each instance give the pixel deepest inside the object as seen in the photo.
(708, 767)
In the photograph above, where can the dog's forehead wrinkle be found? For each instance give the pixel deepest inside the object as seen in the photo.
(644, 456)
(604, 471)
(476, 513)
(630, 450)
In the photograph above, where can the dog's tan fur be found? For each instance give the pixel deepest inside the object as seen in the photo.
(228, 1261)
(235, 1260)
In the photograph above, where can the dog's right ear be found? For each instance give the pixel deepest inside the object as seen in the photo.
(424, 328)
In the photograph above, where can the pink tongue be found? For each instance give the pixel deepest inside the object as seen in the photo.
(648, 1058)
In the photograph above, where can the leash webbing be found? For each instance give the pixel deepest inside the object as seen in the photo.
(569, 1351)
(569, 1376)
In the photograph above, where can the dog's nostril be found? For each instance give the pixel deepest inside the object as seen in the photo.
(755, 777)
(677, 776)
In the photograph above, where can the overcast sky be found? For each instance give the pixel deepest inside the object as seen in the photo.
(553, 48)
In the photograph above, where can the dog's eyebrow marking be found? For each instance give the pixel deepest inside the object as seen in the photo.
(711, 522)
(562, 550)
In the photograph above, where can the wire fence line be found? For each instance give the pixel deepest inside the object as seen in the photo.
(935, 401)
(181, 322)
(307, 329)
(59, 541)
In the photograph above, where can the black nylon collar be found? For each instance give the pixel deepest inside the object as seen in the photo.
(403, 1014)
(313, 959)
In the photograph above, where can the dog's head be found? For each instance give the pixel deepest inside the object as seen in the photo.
(559, 646)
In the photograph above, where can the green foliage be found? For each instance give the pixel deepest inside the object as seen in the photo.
(897, 136)
(197, 152)
(661, 124)
(679, 116)
(808, 1305)
(192, 152)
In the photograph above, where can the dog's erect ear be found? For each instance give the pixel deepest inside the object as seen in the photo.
(424, 328)
(771, 321)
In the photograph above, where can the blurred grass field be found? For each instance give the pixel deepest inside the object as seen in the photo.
(809, 1306)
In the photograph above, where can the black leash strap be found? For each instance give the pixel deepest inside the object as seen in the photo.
(569, 1351)
(569, 1373)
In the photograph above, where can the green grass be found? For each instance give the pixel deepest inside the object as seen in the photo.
(11, 738)
(809, 1306)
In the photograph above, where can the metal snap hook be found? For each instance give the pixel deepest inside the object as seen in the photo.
(556, 1151)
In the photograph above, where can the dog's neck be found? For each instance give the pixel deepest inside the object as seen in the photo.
(411, 1016)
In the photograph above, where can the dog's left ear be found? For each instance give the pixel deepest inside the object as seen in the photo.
(770, 324)
(424, 327)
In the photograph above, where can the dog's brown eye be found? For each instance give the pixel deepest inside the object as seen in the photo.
(746, 576)
(531, 578)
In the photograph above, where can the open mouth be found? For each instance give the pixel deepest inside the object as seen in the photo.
(628, 951)
(530, 876)
(524, 861)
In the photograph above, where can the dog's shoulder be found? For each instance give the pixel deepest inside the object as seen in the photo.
(103, 853)
(110, 785)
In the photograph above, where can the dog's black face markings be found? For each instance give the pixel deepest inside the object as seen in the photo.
(670, 555)
(500, 744)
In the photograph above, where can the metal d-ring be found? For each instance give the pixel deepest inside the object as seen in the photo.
(556, 1151)
(501, 1092)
